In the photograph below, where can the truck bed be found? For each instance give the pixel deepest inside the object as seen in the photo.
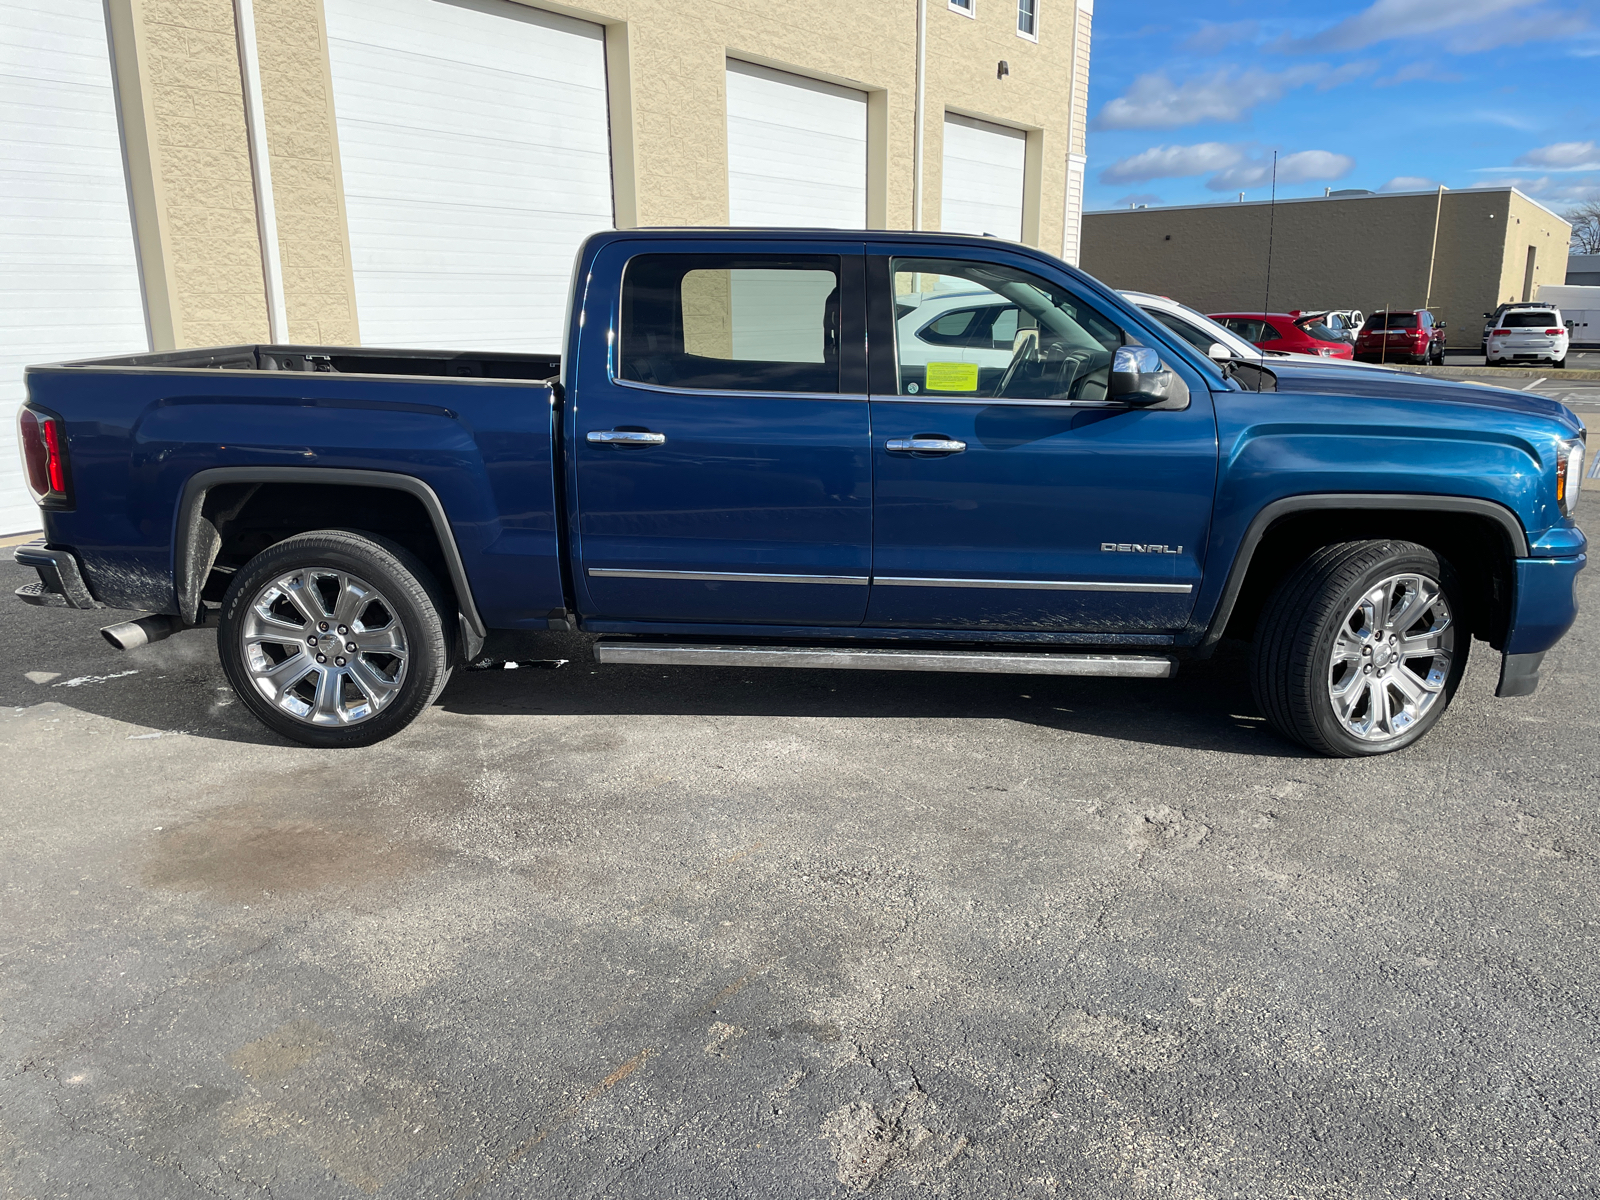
(463, 441)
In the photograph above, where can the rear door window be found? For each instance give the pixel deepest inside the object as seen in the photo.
(731, 323)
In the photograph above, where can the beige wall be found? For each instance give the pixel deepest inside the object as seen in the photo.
(1366, 252)
(189, 154)
(1529, 227)
(189, 158)
(307, 191)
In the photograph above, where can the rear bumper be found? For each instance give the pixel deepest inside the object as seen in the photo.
(1546, 606)
(60, 577)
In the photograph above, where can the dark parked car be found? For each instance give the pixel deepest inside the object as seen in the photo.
(1409, 336)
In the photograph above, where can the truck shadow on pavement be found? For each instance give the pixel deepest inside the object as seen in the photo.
(1207, 706)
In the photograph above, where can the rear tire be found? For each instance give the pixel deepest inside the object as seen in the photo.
(1559, 364)
(336, 639)
(1359, 651)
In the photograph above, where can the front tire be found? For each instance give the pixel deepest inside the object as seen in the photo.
(335, 639)
(1360, 650)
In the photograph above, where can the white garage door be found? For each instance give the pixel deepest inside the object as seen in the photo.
(982, 186)
(797, 150)
(69, 275)
(476, 156)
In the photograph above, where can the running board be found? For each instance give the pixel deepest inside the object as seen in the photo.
(834, 658)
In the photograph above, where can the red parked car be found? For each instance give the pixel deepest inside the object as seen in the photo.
(1406, 336)
(1280, 331)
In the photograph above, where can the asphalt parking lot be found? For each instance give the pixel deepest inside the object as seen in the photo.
(615, 931)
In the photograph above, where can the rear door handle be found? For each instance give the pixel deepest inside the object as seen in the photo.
(626, 437)
(925, 444)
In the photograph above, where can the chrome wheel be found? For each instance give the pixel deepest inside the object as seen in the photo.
(1391, 657)
(324, 646)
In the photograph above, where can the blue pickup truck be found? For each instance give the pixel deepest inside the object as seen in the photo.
(733, 462)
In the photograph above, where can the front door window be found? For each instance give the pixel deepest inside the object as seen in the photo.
(993, 332)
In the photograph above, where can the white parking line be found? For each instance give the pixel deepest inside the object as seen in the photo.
(1535, 384)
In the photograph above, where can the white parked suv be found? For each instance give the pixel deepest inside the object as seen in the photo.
(1528, 335)
(973, 326)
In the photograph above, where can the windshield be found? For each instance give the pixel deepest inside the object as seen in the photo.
(1392, 321)
(1529, 320)
(1322, 333)
(1200, 331)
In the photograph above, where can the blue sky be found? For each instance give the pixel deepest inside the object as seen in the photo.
(1188, 101)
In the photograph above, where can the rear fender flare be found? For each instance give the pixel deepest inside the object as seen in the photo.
(196, 544)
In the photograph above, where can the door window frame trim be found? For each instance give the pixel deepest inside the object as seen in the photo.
(853, 257)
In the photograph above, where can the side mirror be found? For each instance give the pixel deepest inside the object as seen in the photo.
(1139, 378)
(1217, 352)
(1440, 325)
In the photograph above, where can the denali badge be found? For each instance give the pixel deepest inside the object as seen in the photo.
(1137, 548)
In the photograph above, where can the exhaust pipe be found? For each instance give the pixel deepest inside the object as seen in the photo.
(130, 635)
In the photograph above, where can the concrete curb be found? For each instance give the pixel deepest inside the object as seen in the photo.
(1490, 374)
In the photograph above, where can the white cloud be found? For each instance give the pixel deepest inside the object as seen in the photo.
(1415, 72)
(1553, 191)
(1533, 27)
(1214, 38)
(1301, 167)
(1409, 183)
(1563, 156)
(1348, 73)
(1231, 166)
(1155, 102)
(1391, 20)
(1172, 162)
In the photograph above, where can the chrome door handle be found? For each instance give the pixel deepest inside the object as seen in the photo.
(926, 445)
(626, 437)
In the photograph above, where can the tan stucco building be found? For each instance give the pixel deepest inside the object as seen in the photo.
(1461, 253)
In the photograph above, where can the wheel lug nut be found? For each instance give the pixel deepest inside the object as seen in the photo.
(322, 658)
(1366, 649)
(343, 630)
(350, 646)
(338, 662)
(323, 626)
(312, 640)
(1367, 670)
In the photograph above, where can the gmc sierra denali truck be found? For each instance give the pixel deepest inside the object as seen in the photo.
(734, 462)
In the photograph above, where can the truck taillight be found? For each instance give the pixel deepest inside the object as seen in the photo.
(43, 440)
(1554, 332)
(1501, 333)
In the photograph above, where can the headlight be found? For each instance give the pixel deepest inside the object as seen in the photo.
(1569, 476)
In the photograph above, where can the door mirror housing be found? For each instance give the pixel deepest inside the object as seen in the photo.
(1140, 379)
(1218, 352)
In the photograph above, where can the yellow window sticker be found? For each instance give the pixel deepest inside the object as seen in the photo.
(952, 377)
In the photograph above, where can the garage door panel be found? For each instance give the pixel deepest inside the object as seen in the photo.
(69, 280)
(475, 148)
(982, 178)
(797, 150)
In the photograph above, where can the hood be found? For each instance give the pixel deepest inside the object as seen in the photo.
(1315, 379)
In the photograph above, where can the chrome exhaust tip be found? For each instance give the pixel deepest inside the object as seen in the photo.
(130, 635)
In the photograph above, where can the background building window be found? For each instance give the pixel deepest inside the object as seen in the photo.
(964, 7)
(1028, 19)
